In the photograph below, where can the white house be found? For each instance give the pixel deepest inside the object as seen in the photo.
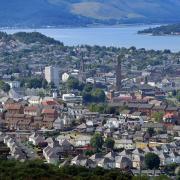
(58, 124)
(65, 77)
(124, 143)
(36, 139)
(34, 100)
(82, 140)
(112, 123)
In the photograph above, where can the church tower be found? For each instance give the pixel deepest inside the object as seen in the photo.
(119, 73)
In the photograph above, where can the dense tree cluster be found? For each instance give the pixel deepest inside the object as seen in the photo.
(74, 83)
(98, 142)
(34, 82)
(93, 95)
(34, 37)
(103, 108)
(90, 93)
(39, 170)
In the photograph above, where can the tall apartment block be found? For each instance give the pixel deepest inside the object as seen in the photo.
(52, 75)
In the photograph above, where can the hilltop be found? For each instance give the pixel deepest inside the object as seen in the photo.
(87, 12)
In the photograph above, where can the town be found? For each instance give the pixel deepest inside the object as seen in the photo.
(114, 108)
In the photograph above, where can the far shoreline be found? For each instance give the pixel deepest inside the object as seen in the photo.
(77, 27)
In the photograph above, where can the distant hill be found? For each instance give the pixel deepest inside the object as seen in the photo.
(85, 12)
(173, 29)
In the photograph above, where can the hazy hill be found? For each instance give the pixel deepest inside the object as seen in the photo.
(83, 12)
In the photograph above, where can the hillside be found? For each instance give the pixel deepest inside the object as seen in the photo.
(84, 12)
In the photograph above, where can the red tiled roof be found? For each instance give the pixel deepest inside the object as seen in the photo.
(13, 106)
(50, 103)
(169, 115)
(48, 111)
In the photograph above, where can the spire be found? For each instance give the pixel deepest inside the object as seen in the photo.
(82, 76)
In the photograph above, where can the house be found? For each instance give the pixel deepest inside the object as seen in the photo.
(117, 134)
(67, 146)
(72, 99)
(176, 129)
(68, 137)
(58, 124)
(106, 163)
(82, 140)
(160, 108)
(14, 108)
(172, 110)
(36, 139)
(52, 151)
(49, 113)
(90, 126)
(32, 110)
(37, 122)
(111, 155)
(123, 162)
(169, 118)
(81, 128)
(145, 108)
(163, 158)
(18, 121)
(125, 113)
(160, 138)
(51, 155)
(80, 160)
(138, 161)
(3, 100)
(49, 116)
(108, 132)
(155, 126)
(76, 112)
(34, 100)
(124, 143)
(96, 158)
(141, 136)
(112, 123)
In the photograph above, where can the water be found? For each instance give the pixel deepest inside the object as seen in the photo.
(109, 36)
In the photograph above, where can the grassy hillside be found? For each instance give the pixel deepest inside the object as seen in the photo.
(83, 12)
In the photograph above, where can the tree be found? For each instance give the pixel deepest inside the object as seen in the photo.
(109, 143)
(41, 94)
(98, 95)
(73, 83)
(96, 141)
(44, 83)
(158, 116)
(97, 108)
(152, 161)
(88, 87)
(151, 131)
(4, 86)
(34, 83)
(51, 85)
